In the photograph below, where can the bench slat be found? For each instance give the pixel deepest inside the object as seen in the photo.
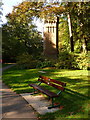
(52, 80)
(51, 84)
(43, 90)
(58, 82)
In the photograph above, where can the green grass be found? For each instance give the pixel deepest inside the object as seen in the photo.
(75, 100)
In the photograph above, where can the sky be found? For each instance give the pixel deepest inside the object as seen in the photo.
(8, 7)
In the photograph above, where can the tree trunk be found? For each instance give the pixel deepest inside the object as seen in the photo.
(70, 33)
(84, 47)
(57, 35)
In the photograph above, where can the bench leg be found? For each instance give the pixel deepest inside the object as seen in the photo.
(53, 106)
(48, 98)
(34, 92)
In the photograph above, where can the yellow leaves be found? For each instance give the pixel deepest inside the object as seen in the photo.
(21, 13)
(23, 7)
(52, 10)
(59, 10)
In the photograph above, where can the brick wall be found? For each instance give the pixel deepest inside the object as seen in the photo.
(50, 45)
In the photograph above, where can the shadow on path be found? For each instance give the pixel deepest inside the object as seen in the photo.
(14, 106)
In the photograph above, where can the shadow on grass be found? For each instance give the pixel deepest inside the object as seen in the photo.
(71, 81)
(76, 94)
(71, 98)
(72, 103)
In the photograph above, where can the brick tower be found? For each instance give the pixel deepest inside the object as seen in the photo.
(51, 38)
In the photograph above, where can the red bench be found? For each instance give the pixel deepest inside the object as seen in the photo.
(51, 82)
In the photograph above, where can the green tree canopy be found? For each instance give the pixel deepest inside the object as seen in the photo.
(79, 21)
(20, 30)
(20, 34)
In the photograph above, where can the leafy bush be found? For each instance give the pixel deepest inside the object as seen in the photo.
(42, 63)
(26, 61)
(82, 61)
(66, 61)
(72, 61)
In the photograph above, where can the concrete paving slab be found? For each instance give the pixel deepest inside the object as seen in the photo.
(14, 106)
(39, 103)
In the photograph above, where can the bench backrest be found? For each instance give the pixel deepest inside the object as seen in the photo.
(51, 82)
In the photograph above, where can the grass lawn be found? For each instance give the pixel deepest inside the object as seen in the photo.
(74, 101)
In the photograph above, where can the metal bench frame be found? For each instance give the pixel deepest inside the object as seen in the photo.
(51, 82)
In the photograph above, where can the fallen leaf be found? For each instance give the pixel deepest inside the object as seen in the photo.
(61, 107)
(56, 103)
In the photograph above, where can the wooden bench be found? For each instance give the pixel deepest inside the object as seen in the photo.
(51, 82)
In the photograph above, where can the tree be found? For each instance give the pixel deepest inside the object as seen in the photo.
(20, 34)
(64, 39)
(56, 9)
(78, 19)
(1, 10)
(20, 27)
(80, 27)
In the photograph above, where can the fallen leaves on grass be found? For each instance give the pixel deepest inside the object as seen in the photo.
(61, 107)
(56, 103)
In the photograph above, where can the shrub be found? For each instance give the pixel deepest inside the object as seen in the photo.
(26, 61)
(45, 63)
(82, 61)
(66, 61)
(72, 61)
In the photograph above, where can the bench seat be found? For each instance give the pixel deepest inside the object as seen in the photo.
(50, 82)
(44, 90)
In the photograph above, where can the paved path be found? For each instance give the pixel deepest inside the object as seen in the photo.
(7, 67)
(14, 106)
